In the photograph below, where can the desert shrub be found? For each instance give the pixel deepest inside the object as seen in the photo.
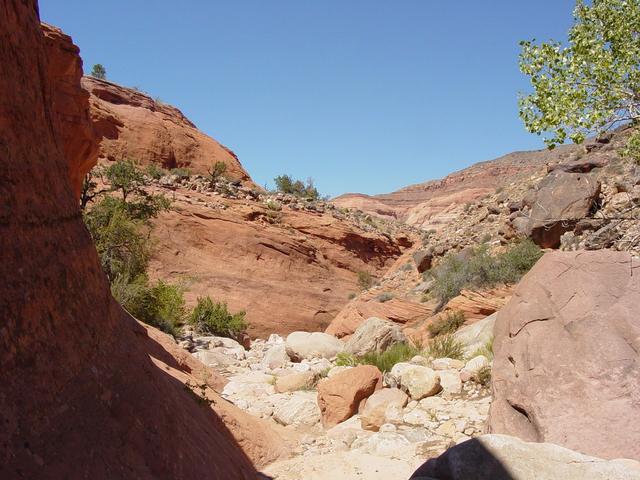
(125, 177)
(483, 376)
(399, 352)
(384, 297)
(480, 269)
(274, 206)
(161, 305)
(365, 280)
(216, 171)
(286, 184)
(446, 346)
(214, 318)
(154, 171)
(446, 324)
(98, 71)
(120, 240)
(352, 295)
(181, 172)
(485, 350)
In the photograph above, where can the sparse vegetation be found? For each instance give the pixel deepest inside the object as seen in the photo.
(400, 352)
(154, 171)
(485, 350)
(384, 297)
(98, 71)
(446, 346)
(480, 269)
(214, 318)
(446, 324)
(216, 171)
(365, 280)
(483, 376)
(632, 150)
(352, 295)
(286, 184)
(181, 172)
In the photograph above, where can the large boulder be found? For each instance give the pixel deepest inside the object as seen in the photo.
(476, 335)
(374, 335)
(566, 364)
(306, 345)
(374, 412)
(340, 396)
(500, 457)
(561, 201)
(295, 381)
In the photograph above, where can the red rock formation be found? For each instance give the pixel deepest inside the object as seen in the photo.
(425, 204)
(70, 104)
(133, 126)
(295, 274)
(87, 392)
(566, 364)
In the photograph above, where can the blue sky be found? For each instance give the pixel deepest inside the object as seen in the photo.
(362, 95)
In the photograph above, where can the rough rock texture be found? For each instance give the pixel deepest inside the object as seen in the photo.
(500, 457)
(561, 201)
(476, 335)
(566, 346)
(374, 335)
(70, 103)
(87, 392)
(340, 396)
(133, 126)
(292, 275)
(427, 205)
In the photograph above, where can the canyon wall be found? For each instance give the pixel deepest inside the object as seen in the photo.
(87, 392)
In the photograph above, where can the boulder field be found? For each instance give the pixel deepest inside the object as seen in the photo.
(87, 392)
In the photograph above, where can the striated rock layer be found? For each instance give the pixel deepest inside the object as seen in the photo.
(87, 392)
(428, 205)
(133, 126)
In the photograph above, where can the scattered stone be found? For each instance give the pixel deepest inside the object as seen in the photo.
(374, 335)
(306, 345)
(447, 364)
(340, 397)
(373, 415)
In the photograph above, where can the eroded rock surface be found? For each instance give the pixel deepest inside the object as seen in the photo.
(566, 349)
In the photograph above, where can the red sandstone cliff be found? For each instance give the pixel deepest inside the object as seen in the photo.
(87, 392)
(133, 126)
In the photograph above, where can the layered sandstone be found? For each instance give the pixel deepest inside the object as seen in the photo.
(289, 270)
(87, 392)
(428, 205)
(133, 126)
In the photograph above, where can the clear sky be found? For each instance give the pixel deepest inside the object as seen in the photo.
(361, 95)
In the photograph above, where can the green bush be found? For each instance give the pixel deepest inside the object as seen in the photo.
(446, 324)
(121, 242)
(161, 305)
(632, 149)
(365, 280)
(286, 184)
(446, 346)
(181, 172)
(400, 352)
(352, 295)
(125, 177)
(154, 171)
(216, 171)
(480, 269)
(214, 318)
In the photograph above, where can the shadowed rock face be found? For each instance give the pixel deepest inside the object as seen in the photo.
(566, 349)
(87, 392)
(133, 126)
